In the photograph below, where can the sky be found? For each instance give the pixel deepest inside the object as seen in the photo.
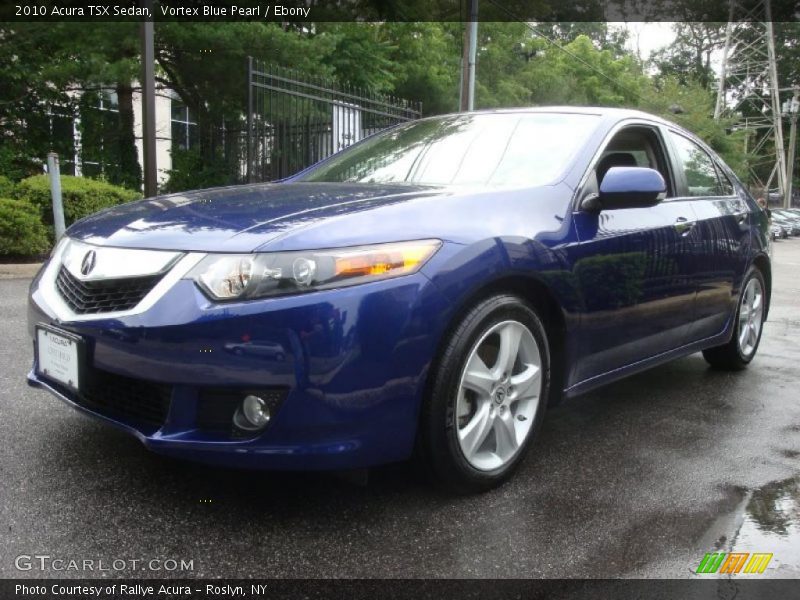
(646, 38)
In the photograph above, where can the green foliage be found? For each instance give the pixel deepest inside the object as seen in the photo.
(602, 36)
(425, 63)
(190, 171)
(587, 75)
(518, 68)
(696, 104)
(688, 58)
(9, 161)
(204, 63)
(40, 63)
(351, 42)
(81, 196)
(6, 187)
(104, 57)
(21, 230)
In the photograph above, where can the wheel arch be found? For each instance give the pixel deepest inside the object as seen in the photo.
(763, 264)
(542, 298)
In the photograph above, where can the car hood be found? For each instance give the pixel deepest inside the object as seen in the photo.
(237, 218)
(301, 216)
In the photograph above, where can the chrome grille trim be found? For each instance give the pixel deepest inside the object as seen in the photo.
(60, 310)
(117, 263)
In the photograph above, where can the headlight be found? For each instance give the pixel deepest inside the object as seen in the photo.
(246, 276)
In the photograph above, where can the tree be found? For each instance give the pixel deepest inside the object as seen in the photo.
(689, 56)
(347, 45)
(45, 67)
(519, 64)
(25, 73)
(696, 114)
(103, 57)
(426, 63)
(602, 35)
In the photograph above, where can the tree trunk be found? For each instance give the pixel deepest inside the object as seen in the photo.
(129, 173)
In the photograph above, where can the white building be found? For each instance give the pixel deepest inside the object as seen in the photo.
(175, 129)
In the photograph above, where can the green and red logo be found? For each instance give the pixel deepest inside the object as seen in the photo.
(734, 562)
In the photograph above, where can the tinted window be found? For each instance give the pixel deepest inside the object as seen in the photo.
(701, 176)
(512, 149)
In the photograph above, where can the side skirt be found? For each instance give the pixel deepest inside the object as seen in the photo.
(648, 363)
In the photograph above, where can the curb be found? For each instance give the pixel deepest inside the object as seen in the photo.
(23, 271)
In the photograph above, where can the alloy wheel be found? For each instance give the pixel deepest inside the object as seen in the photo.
(751, 313)
(499, 392)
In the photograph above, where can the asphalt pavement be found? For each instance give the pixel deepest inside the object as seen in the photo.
(640, 478)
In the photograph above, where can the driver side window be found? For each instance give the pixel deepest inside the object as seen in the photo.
(633, 147)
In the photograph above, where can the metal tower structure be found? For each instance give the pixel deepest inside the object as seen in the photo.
(749, 87)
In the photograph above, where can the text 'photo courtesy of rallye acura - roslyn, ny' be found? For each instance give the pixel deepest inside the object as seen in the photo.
(427, 292)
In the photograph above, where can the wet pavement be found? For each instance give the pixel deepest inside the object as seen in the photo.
(771, 523)
(640, 478)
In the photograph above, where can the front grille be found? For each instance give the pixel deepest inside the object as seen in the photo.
(108, 295)
(125, 398)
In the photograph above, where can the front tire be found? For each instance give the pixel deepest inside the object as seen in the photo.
(487, 397)
(742, 347)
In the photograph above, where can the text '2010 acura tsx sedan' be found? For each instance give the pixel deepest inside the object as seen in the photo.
(430, 289)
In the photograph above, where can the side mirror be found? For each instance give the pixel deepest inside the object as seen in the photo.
(627, 187)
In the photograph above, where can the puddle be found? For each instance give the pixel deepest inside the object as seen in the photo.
(771, 523)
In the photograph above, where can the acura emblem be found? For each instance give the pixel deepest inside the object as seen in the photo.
(500, 395)
(89, 260)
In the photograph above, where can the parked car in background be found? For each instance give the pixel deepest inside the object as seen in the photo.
(788, 222)
(430, 289)
(268, 349)
(777, 232)
(789, 215)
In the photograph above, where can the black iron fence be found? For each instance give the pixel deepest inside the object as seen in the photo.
(294, 121)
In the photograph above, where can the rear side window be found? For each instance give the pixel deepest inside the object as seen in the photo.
(698, 168)
(725, 182)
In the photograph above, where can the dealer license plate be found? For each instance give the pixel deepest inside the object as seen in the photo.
(58, 356)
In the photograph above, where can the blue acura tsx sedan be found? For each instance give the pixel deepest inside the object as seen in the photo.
(428, 291)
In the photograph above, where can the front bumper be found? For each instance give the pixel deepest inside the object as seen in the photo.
(350, 365)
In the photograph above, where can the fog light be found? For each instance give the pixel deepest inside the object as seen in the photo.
(253, 414)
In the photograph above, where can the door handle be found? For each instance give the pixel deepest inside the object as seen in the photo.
(684, 225)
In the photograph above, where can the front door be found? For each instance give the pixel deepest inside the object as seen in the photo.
(632, 267)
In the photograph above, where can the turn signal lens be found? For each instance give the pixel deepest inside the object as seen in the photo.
(244, 276)
(397, 261)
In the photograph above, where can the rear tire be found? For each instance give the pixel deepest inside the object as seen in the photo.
(487, 397)
(747, 329)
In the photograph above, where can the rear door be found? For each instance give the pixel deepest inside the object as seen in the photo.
(720, 242)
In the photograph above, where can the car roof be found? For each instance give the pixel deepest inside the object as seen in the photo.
(611, 116)
(602, 111)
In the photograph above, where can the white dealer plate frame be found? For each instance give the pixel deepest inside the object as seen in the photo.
(59, 356)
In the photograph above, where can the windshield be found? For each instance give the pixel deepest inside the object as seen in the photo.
(498, 149)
